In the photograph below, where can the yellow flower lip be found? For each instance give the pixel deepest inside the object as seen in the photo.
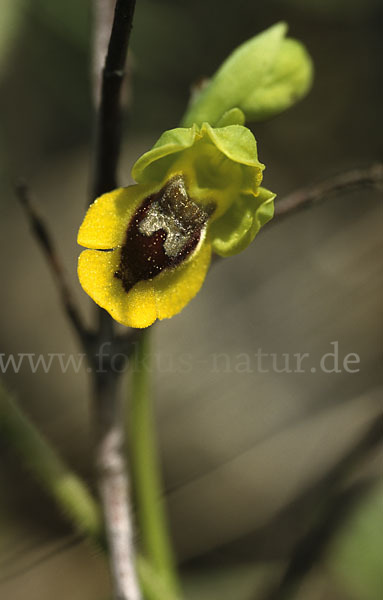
(158, 253)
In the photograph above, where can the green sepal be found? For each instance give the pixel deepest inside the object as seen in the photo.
(221, 167)
(237, 228)
(236, 142)
(266, 69)
(153, 165)
(199, 150)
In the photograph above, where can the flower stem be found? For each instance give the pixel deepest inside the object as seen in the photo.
(145, 470)
(153, 586)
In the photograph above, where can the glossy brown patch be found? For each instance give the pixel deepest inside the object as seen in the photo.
(164, 231)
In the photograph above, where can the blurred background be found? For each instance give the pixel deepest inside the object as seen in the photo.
(271, 478)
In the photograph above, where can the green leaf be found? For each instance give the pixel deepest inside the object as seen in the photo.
(41, 459)
(10, 25)
(356, 556)
(262, 77)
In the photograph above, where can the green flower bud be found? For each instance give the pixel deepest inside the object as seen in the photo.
(262, 77)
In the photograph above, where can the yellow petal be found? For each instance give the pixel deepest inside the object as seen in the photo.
(173, 289)
(161, 297)
(96, 274)
(107, 218)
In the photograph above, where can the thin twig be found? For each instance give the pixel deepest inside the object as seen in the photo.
(306, 197)
(108, 119)
(113, 480)
(311, 549)
(45, 241)
(69, 542)
(113, 485)
(102, 26)
(334, 510)
(107, 100)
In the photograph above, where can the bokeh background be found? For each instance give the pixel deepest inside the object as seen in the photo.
(261, 470)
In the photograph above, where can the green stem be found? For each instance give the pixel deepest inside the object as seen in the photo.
(145, 470)
(69, 492)
(153, 586)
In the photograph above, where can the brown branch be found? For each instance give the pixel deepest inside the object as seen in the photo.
(108, 118)
(44, 240)
(113, 486)
(113, 479)
(307, 197)
(113, 46)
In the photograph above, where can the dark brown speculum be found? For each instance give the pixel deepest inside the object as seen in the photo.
(164, 231)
